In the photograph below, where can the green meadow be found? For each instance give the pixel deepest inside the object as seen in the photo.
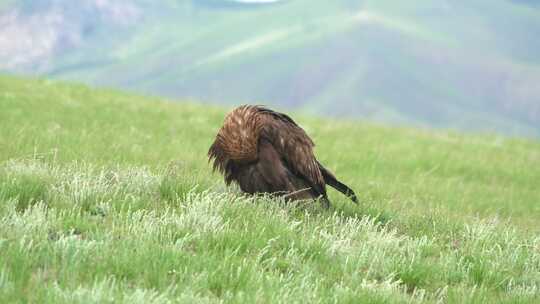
(107, 197)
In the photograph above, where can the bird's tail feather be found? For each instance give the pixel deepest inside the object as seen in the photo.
(331, 180)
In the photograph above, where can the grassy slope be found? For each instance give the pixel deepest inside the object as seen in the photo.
(106, 196)
(455, 64)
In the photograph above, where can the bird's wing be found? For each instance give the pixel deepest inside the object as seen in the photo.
(294, 146)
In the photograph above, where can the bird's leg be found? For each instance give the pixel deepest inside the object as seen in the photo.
(325, 202)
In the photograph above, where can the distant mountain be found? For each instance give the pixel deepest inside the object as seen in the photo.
(471, 65)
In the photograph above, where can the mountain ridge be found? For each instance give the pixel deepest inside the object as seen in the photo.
(469, 66)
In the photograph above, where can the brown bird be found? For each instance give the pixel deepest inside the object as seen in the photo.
(264, 151)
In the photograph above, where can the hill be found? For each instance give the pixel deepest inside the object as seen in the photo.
(107, 197)
(464, 65)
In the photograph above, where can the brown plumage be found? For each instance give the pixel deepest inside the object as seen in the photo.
(267, 152)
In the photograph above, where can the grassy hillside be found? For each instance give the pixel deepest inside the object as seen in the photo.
(467, 65)
(108, 197)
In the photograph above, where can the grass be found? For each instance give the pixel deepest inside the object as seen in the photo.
(107, 197)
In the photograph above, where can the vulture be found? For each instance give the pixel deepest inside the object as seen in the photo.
(264, 151)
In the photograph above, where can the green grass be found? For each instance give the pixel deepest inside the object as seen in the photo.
(108, 197)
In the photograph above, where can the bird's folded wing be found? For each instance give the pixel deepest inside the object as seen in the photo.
(295, 147)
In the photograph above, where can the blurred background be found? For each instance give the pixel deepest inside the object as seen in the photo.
(466, 65)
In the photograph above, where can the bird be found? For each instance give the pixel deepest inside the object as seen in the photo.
(267, 152)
